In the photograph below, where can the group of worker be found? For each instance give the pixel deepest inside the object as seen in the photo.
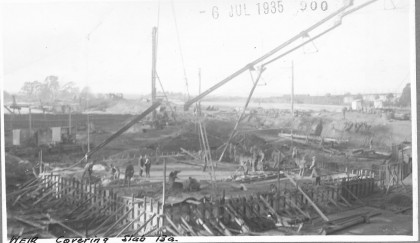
(256, 162)
(301, 162)
(144, 162)
(253, 162)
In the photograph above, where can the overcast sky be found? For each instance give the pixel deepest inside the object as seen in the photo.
(107, 46)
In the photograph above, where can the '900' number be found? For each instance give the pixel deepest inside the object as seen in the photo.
(313, 5)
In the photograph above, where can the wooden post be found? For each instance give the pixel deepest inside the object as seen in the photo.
(40, 163)
(154, 53)
(144, 209)
(70, 122)
(164, 191)
(116, 222)
(307, 198)
(30, 122)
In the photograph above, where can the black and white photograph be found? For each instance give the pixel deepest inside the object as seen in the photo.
(208, 121)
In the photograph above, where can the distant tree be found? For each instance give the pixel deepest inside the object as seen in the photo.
(405, 99)
(390, 96)
(376, 97)
(347, 94)
(69, 90)
(52, 86)
(6, 96)
(86, 92)
(31, 88)
(50, 90)
(328, 94)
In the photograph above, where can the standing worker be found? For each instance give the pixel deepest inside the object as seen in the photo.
(371, 143)
(302, 167)
(302, 164)
(261, 156)
(141, 165)
(113, 171)
(148, 164)
(88, 170)
(315, 173)
(254, 152)
(129, 173)
(313, 164)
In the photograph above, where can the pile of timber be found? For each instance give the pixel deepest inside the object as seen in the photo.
(316, 142)
(84, 208)
(369, 154)
(256, 176)
(315, 139)
(32, 205)
(337, 225)
(251, 223)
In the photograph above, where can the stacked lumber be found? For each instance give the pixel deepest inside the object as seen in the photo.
(256, 176)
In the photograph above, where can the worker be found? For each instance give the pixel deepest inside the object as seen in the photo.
(254, 152)
(129, 172)
(261, 156)
(302, 163)
(371, 143)
(88, 170)
(141, 165)
(115, 172)
(245, 164)
(147, 164)
(313, 164)
(294, 153)
(315, 173)
(193, 185)
(276, 156)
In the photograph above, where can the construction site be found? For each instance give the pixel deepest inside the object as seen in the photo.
(200, 168)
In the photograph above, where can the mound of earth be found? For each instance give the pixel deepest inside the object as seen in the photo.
(128, 107)
(17, 170)
(188, 137)
(400, 200)
(408, 180)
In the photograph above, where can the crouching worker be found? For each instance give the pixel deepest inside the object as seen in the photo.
(129, 173)
(115, 172)
(193, 185)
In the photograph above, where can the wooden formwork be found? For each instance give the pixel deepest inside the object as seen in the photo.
(118, 215)
(92, 201)
(287, 203)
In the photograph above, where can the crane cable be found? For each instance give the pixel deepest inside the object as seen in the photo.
(180, 48)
